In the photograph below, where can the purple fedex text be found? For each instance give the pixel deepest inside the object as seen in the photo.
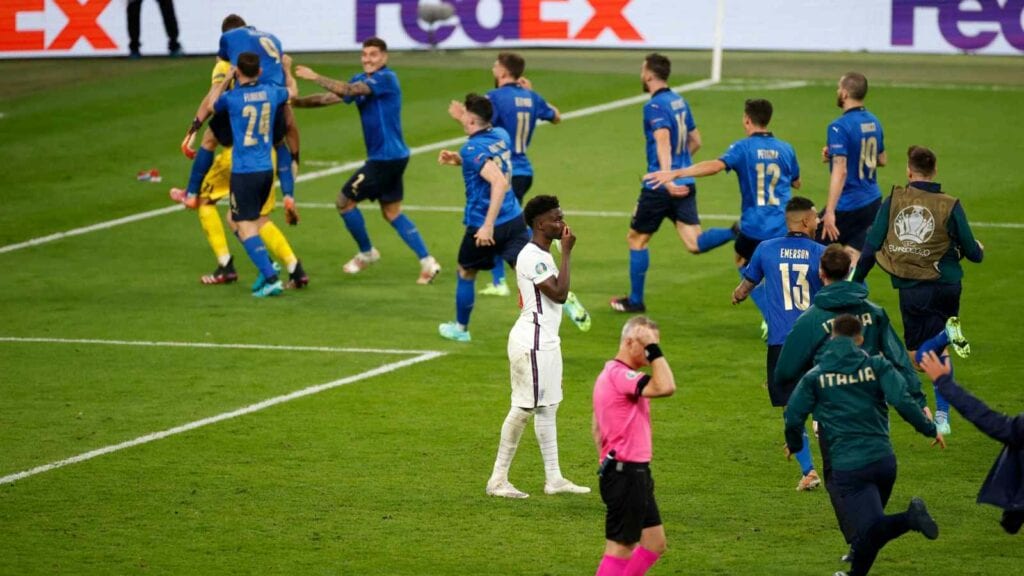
(954, 12)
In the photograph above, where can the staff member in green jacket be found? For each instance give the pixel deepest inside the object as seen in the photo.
(919, 237)
(811, 332)
(848, 391)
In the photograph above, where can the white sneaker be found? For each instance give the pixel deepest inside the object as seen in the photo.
(563, 486)
(429, 269)
(505, 489)
(361, 261)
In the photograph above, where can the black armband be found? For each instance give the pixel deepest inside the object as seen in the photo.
(652, 352)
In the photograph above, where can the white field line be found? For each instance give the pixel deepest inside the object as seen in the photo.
(92, 228)
(341, 168)
(212, 345)
(617, 214)
(384, 369)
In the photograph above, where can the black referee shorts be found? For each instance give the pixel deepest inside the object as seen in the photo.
(627, 490)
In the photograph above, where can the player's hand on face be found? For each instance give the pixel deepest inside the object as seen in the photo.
(933, 366)
(828, 227)
(484, 235)
(305, 72)
(568, 239)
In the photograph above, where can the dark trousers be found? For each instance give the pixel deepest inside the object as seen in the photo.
(170, 24)
(833, 491)
(865, 492)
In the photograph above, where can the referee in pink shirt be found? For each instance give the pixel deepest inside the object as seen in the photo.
(635, 537)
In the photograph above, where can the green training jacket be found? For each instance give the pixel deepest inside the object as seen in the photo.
(814, 327)
(848, 391)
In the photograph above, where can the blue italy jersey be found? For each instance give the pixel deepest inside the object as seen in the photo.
(252, 108)
(857, 134)
(381, 115)
(667, 110)
(516, 110)
(789, 268)
(490, 144)
(263, 44)
(765, 167)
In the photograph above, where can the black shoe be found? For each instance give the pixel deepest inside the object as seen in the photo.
(222, 275)
(1012, 521)
(920, 520)
(298, 278)
(625, 305)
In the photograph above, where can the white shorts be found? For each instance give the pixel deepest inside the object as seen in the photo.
(536, 376)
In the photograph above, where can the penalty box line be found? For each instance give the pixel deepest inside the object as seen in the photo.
(421, 356)
(347, 166)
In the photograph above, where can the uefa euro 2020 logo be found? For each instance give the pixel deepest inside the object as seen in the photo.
(914, 224)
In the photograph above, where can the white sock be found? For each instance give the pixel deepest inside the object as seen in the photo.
(223, 260)
(511, 432)
(293, 265)
(547, 438)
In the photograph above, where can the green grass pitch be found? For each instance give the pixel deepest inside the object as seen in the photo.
(386, 475)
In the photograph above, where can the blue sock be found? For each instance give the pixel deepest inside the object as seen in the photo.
(465, 296)
(941, 404)
(804, 456)
(257, 251)
(639, 261)
(357, 228)
(935, 344)
(713, 238)
(407, 230)
(498, 272)
(284, 170)
(200, 166)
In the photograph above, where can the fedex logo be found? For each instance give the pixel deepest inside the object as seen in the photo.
(952, 13)
(520, 20)
(82, 22)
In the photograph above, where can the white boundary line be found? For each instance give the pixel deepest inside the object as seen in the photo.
(345, 167)
(15, 339)
(423, 356)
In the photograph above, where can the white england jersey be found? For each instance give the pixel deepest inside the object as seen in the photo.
(538, 322)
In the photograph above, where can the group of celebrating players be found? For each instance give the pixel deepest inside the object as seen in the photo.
(831, 352)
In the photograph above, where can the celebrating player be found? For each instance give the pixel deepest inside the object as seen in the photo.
(855, 150)
(534, 350)
(672, 138)
(634, 535)
(493, 218)
(788, 267)
(847, 391)
(919, 237)
(378, 96)
(252, 170)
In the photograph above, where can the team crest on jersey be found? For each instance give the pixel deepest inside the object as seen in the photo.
(632, 374)
(541, 268)
(914, 224)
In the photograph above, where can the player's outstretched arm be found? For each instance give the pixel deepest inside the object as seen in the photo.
(343, 89)
(289, 80)
(316, 100)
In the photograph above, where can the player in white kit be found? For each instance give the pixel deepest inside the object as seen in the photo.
(534, 350)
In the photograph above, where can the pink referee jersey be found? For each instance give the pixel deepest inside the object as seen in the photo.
(623, 416)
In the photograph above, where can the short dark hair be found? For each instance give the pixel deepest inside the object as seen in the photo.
(659, 65)
(846, 325)
(512, 62)
(231, 21)
(249, 64)
(538, 205)
(375, 42)
(479, 106)
(921, 160)
(855, 84)
(835, 263)
(799, 204)
(759, 111)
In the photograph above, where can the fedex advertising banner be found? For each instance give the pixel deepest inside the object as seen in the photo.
(41, 28)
